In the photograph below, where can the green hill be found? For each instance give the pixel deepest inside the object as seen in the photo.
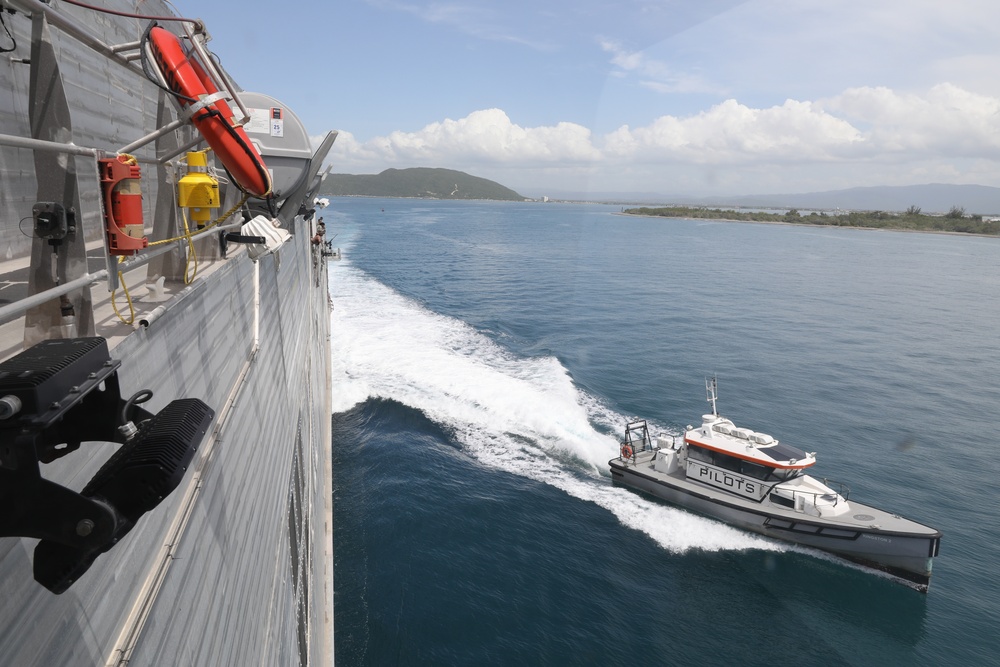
(417, 182)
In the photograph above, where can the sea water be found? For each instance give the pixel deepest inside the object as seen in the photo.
(487, 356)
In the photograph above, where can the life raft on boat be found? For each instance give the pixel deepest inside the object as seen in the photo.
(190, 83)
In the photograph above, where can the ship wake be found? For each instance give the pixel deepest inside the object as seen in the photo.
(516, 414)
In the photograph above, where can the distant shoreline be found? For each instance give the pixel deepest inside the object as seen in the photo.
(682, 217)
(919, 223)
(813, 225)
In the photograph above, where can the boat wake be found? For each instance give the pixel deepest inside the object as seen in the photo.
(520, 415)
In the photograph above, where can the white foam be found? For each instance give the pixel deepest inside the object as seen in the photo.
(520, 415)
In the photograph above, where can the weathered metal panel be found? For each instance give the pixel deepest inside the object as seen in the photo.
(227, 598)
(248, 580)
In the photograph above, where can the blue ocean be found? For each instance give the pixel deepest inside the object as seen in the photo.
(487, 356)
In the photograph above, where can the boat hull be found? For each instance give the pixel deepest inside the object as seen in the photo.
(907, 555)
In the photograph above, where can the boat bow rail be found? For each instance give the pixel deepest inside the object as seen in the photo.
(836, 492)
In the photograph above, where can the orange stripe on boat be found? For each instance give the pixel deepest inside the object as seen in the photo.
(770, 463)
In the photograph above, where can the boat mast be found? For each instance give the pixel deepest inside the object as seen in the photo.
(711, 389)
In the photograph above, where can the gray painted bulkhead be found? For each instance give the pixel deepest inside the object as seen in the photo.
(249, 580)
(227, 597)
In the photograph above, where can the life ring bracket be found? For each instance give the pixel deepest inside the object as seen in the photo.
(204, 102)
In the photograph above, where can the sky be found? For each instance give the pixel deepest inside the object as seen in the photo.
(672, 97)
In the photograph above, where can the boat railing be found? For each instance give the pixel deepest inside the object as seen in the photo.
(636, 440)
(840, 491)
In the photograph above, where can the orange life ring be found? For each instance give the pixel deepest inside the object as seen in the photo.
(188, 81)
(626, 452)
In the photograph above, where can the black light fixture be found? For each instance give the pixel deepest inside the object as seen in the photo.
(55, 396)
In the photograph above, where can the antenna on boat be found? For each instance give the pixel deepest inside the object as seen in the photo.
(712, 391)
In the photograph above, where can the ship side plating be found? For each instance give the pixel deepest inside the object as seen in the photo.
(234, 566)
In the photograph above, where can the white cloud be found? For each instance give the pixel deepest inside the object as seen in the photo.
(947, 121)
(654, 74)
(486, 136)
(862, 136)
(807, 49)
(731, 132)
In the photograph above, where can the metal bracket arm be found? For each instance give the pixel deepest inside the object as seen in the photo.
(53, 397)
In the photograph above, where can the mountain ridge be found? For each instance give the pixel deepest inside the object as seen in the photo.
(419, 182)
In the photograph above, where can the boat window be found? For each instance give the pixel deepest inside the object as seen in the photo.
(700, 454)
(786, 474)
(727, 462)
(781, 500)
(755, 470)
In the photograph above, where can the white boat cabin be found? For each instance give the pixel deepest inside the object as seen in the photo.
(751, 465)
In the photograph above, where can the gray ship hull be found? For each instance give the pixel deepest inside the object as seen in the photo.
(235, 566)
(868, 536)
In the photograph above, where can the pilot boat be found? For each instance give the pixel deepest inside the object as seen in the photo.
(752, 481)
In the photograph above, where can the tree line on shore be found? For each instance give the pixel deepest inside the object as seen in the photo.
(956, 220)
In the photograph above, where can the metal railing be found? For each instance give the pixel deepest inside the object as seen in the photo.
(840, 491)
(125, 56)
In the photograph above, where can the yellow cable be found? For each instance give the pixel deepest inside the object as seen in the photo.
(192, 256)
(215, 222)
(128, 297)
